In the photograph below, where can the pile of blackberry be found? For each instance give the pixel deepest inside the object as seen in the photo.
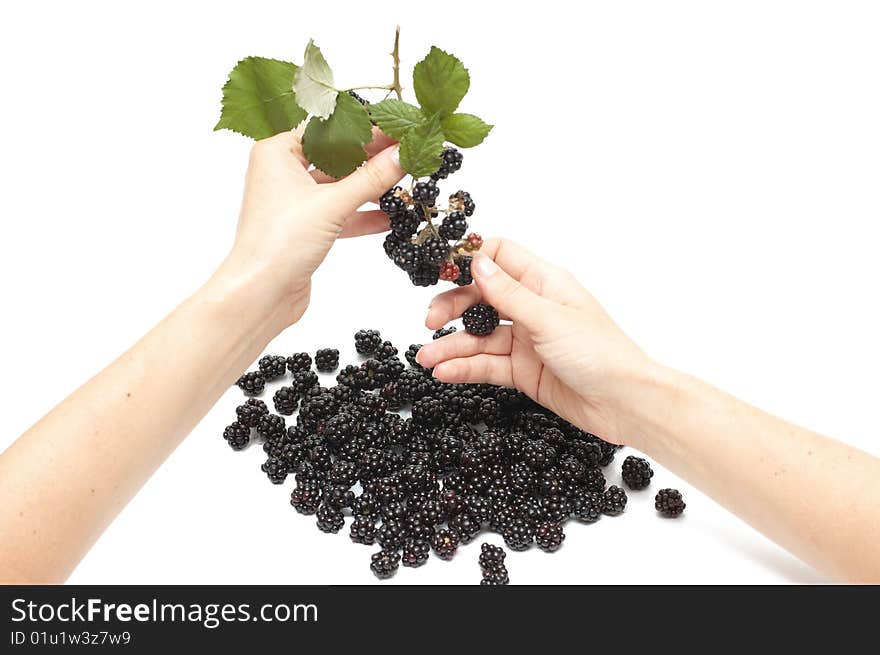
(426, 240)
(471, 457)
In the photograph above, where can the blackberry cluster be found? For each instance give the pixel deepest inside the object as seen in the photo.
(470, 458)
(480, 320)
(426, 250)
(669, 503)
(637, 472)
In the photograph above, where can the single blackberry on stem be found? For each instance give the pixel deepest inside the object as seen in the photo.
(306, 497)
(669, 503)
(391, 245)
(480, 320)
(303, 380)
(464, 271)
(363, 530)
(449, 271)
(299, 362)
(285, 400)
(442, 332)
(408, 256)
(549, 536)
(329, 519)
(415, 553)
(473, 241)
(451, 163)
(366, 341)
(392, 201)
(425, 193)
(425, 275)
(454, 226)
(272, 366)
(327, 359)
(251, 411)
(462, 201)
(637, 472)
(237, 435)
(404, 224)
(385, 563)
(613, 500)
(435, 251)
(252, 383)
(445, 543)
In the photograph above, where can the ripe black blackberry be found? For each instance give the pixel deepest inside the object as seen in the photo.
(299, 362)
(285, 400)
(327, 359)
(588, 506)
(480, 320)
(427, 411)
(669, 503)
(408, 256)
(385, 563)
(391, 534)
(445, 543)
(329, 519)
(434, 251)
(385, 350)
(451, 163)
(252, 383)
(549, 536)
(306, 497)
(237, 435)
(251, 411)
(366, 341)
(466, 527)
(272, 366)
(517, 535)
(271, 426)
(613, 500)
(442, 332)
(303, 380)
(462, 201)
(637, 472)
(391, 201)
(415, 553)
(538, 455)
(411, 353)
(425, 275)
(337, 496)
(454, 226)
(276, 468)
(464, 271)
(491, 556)
(425, 193)
(495, 578)
(363, 530)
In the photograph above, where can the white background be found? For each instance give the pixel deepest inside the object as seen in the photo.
(709, 170)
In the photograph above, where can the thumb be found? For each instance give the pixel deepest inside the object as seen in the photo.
(507, 295)
(380, 173)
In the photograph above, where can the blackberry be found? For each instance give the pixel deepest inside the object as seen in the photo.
(517, 535)
(425, 193)
(538, 455)
(434, 251)
(445, 543)
(427, 411)
(411, 353)
(306, 497)
(329, 519)
(415, 552)
(442, 332)
(327, 359)
(549, 536)
(408, 256)
(637, 472)
(338, 496)
(391, 245)
(385, 563)
(462, 201)
(454, 226)
(464, 271)
(271, 426)
(669, 503)
(367, 341)
(452, 160)
(363, 530)
(303, 380)
(613, 500)
(276, 468)
(480, 320)
(424, 275)
(391, 535)
(478, 508)
(285, 400)
(299, 362)
(405, 223)
(237, 435)
(348, 376)
(251, 411)
(491, 557)
(466, 527)
(495, 578)
(365, 505)
(391, 202)
(252, 383)
(272, 366)
(385, 350)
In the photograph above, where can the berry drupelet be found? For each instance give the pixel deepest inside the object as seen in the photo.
(237, 435)
(637, 472)
(669, 503)
(252, 383)
(327, 359)
(480, 320)
(251, 411)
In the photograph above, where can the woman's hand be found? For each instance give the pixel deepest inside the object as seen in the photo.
(562, 349)
(291, 216)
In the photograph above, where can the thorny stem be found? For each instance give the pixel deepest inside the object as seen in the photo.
(395, 55)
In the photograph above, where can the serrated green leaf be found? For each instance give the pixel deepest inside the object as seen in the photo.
(336, 145)
(440, 81)
(258, 100)
(395, 117)
(420, 148)
(313, 83)
(465, 130)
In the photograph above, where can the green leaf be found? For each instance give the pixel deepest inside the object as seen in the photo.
(313, 83)
(257, 99)
(465, 130)
(395, 117)
(440, 81)
(336, 145)
(420, 148)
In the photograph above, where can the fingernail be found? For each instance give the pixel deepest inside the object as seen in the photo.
(395, 155)
(484, 266)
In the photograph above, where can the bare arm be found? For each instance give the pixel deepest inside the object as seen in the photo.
(66, 478)
(815, 496)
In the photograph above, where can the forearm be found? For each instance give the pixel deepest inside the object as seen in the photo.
(816, 497)
(68, 476)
